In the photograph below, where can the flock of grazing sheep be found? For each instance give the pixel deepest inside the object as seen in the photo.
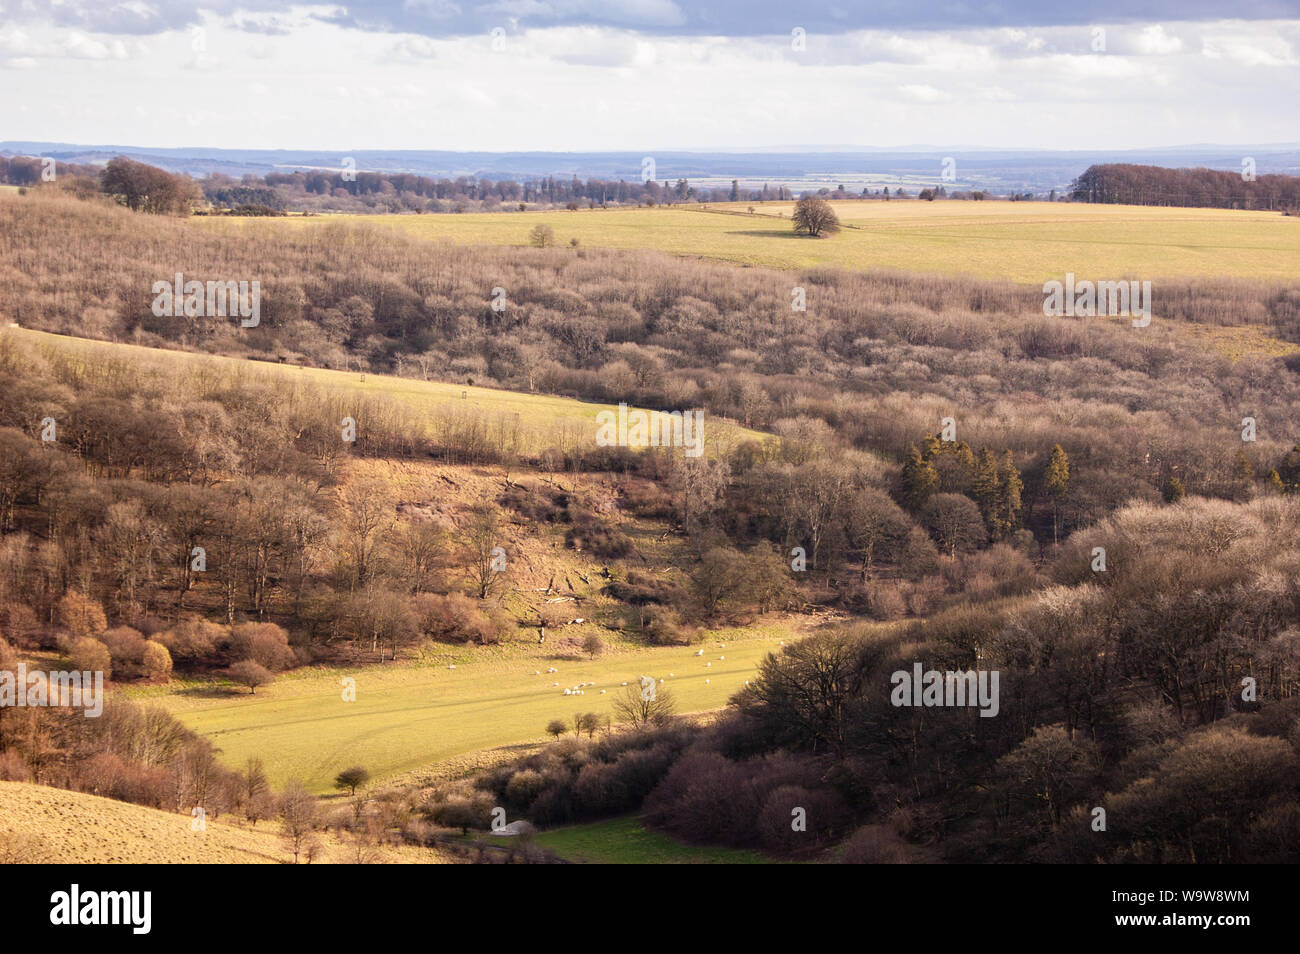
(580, 688)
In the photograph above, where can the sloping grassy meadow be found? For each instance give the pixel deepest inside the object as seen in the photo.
(412, 714)
(1025, 242)
(544, 420)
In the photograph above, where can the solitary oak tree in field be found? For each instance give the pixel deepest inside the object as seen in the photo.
(815, 217)
(250, 674)
(351, 779)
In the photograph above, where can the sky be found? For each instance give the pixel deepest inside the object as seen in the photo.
(588, 75)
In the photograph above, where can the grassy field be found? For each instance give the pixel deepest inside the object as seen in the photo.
(51, 825)
(408, 715)
(416, 713)
(550, 421)
(624, 841)
(1027, 242)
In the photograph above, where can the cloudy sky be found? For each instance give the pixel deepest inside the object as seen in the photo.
(642, 74)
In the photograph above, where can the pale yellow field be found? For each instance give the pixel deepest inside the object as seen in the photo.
(409, 715)
(545, 420)
(51, 825)
(1028, 242)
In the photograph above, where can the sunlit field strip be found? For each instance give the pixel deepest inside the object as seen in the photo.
(1028, 242)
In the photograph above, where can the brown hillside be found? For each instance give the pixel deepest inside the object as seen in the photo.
(48, 825)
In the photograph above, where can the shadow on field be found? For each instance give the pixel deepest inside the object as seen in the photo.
(769, 233)
(213, 692)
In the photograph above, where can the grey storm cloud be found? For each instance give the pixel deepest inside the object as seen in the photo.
(738, 18)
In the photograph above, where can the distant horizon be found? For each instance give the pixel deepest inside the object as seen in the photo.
(998, 170)
(784, 149)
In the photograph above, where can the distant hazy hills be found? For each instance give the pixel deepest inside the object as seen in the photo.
(1002, 170)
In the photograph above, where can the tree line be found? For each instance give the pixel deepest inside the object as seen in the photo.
(134, 182)
(1131, 184)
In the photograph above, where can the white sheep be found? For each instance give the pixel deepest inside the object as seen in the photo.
(602, 692)
(625, 684)
(700, 653)
(554, 684)
(568, 692)
(706, 665)
(722, 657)
(452, 666)
(706, 682)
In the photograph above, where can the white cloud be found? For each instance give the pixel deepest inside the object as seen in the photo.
(576, 88)
(1257, 50)
(923, 93)
(415, 48)
(69, 44)
(1098, 67)
(1153, 41)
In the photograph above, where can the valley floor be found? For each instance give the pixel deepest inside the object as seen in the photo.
(412, 715)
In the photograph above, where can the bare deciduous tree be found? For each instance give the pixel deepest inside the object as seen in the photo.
(645, 707)
(298, 808)
(815, 217)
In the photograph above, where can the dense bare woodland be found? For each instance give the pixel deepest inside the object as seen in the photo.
(879, 358)
(1121, 681)
(1130, 184)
